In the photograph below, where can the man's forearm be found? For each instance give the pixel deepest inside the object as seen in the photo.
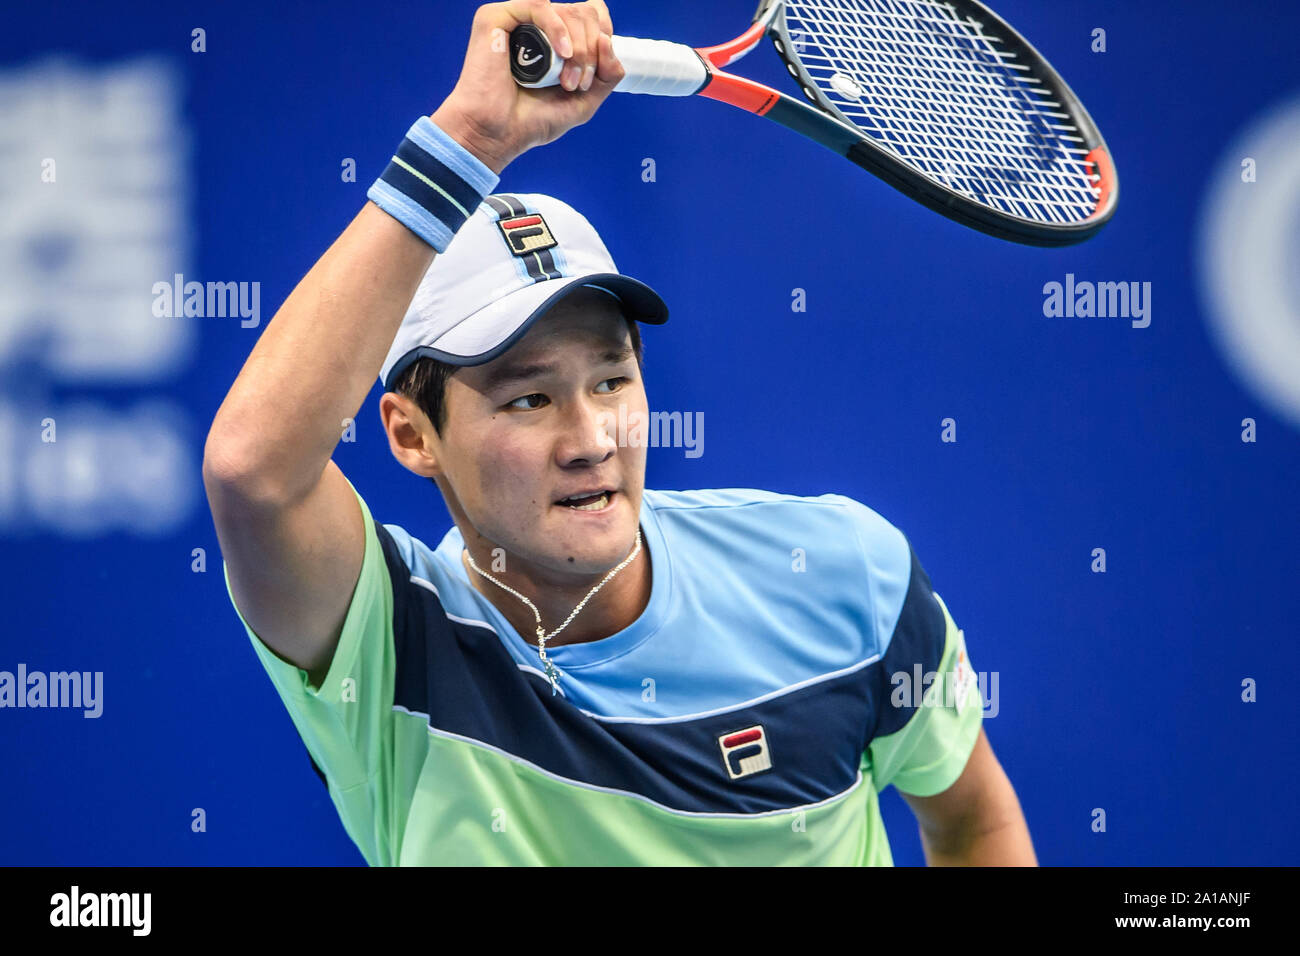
(317, 359)
(1005, 842)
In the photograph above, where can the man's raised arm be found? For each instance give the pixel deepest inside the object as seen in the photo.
(289, 526)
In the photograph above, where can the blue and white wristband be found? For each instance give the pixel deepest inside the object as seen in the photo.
(432, 185)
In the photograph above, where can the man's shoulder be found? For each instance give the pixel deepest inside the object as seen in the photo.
(726, 498)
(410, 556)
(828, 559)
(748, 528)
(825, 507)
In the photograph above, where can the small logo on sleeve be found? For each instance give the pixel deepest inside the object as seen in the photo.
(963, 677)
(525, 234)
(745, 752)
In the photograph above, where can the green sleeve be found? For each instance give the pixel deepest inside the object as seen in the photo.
(928, 753)
(347, 724)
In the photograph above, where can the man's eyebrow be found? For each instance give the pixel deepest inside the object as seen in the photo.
(504, 375)
(616, 355)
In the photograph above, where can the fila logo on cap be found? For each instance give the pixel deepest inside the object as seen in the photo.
(525, 234)
(745, 752)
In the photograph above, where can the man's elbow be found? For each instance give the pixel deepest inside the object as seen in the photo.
(231, 474)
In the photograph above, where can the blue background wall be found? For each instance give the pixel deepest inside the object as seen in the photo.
(1119, 690)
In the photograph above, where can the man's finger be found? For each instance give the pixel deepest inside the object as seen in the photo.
(572, 72)
(610, 70)
(546, 16)
(602, 16)
(591, 24)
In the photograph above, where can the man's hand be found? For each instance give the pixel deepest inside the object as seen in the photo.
(496, 119)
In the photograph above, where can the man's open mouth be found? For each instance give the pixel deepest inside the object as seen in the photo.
(588, 500)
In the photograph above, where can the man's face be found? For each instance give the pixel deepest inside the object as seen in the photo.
(538, 425)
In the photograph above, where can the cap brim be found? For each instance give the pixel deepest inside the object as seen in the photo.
(493, 329)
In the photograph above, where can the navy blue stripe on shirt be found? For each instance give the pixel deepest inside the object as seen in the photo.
(919, 638)
(464, 680)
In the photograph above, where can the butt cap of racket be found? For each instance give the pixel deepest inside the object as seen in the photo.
(532, 61)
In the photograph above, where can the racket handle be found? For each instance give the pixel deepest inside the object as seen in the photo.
(656, 67)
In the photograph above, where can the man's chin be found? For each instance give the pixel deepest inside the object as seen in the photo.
(590, 541)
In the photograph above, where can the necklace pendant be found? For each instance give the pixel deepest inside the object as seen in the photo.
(550, 673)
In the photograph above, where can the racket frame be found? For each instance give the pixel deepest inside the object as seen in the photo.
(821, 121)
(928, 191)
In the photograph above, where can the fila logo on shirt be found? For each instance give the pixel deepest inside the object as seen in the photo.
(525, 234)
(744, 752)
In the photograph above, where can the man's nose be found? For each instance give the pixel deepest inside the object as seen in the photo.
(589, 434)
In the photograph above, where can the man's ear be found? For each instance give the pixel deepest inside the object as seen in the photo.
(411, 436)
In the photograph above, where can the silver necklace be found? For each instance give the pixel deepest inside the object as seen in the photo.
(542, 636)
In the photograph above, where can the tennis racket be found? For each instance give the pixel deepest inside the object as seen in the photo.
(942, 100)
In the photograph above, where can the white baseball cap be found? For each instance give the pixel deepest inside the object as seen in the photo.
(517, 256)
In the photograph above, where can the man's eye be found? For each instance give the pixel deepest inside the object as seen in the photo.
(528, 401)
(618, 382)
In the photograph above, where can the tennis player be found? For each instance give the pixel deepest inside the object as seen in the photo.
(583, 671)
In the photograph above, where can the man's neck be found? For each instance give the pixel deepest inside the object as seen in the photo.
(611, 609)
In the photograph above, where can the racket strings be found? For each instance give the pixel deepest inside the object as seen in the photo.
(933, 87)
(956, 130)
(944, 142)
(984, 103)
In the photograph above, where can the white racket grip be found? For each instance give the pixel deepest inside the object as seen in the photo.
(655, 67)
(658, 67)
